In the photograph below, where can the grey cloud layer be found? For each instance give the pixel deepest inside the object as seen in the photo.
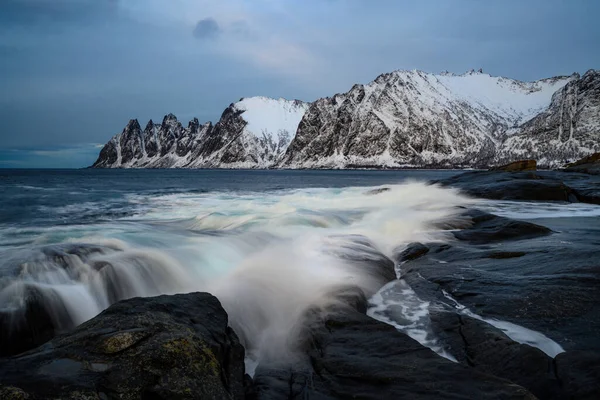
(74, 71)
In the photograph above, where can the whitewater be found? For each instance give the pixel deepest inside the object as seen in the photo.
(269, 255)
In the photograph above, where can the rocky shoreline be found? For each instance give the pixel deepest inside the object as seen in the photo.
(497, 276)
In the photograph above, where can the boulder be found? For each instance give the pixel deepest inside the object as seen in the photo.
(163, 347)
(516, 166)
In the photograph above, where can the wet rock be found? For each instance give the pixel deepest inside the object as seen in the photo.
(579, 373)
(515, 166)
(528, 185)
(377, 191)
(587, 165)
(485, 348)
(350, 355)
(29, 326)
(544, 283)
(160, 348)
(412, 252)
(360, 251)
(548, 286)
(501, 185)
(489, 228)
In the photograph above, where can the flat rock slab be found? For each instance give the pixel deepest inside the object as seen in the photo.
(528, 185)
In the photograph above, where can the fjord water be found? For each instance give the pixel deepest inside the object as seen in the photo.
(268, 244)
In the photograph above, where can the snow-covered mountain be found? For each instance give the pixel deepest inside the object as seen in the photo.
(252, 133)
(565, 131)
(401, 119)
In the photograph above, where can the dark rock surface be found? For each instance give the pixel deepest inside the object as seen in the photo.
(516, 166)
(27, 327)
(490, 228)
(166, 347)
(547, 283)
(350, 355)
(485, 348)
(587, 165)
(500, 185)
(528, 185)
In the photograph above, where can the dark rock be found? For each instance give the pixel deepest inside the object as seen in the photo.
(350, 355)
(489, 228)
(537, 283)
(412, 252)
(500, 185)
(377, 191)
(548, 284)
(164, 347)
(485, 348)
(360, 251)
(516, 166)
(505, 254)
(27, 327)
(587, 165)
(579, 374)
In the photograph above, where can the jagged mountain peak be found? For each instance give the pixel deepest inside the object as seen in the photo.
(400, 119)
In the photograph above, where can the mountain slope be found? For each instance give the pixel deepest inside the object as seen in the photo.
(401, 119)
(411, 118)
(567, 130)
(252, 133)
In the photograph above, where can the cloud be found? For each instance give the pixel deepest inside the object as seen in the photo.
(31, 12)
(206, 29)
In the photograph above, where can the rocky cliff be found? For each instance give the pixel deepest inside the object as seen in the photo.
(401, 119)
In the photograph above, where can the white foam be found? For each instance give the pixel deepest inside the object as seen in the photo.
(516, 332)
(398, 305)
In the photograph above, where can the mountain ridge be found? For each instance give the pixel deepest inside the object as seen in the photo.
(401, 119)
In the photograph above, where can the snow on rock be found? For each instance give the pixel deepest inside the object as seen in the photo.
(252, 133)
(417, 119)
(272, 119)
(401, 119)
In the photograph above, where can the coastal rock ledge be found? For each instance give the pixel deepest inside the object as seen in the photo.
(165, 347)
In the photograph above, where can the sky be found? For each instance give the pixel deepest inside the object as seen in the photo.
(73, 72)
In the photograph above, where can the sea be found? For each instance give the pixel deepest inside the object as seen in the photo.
(268, 244)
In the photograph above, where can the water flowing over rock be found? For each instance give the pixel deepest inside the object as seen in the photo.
(401, 119)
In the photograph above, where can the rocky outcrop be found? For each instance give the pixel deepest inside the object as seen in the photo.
(528, 185)
(349, 355)
(587, 165)
(515, 166)
(401, 119)
(164, 347)
(252, 133)
(485, 296)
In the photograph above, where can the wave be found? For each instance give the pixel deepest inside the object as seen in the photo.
(268, 257)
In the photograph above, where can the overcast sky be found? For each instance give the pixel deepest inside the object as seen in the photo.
(73, 72)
